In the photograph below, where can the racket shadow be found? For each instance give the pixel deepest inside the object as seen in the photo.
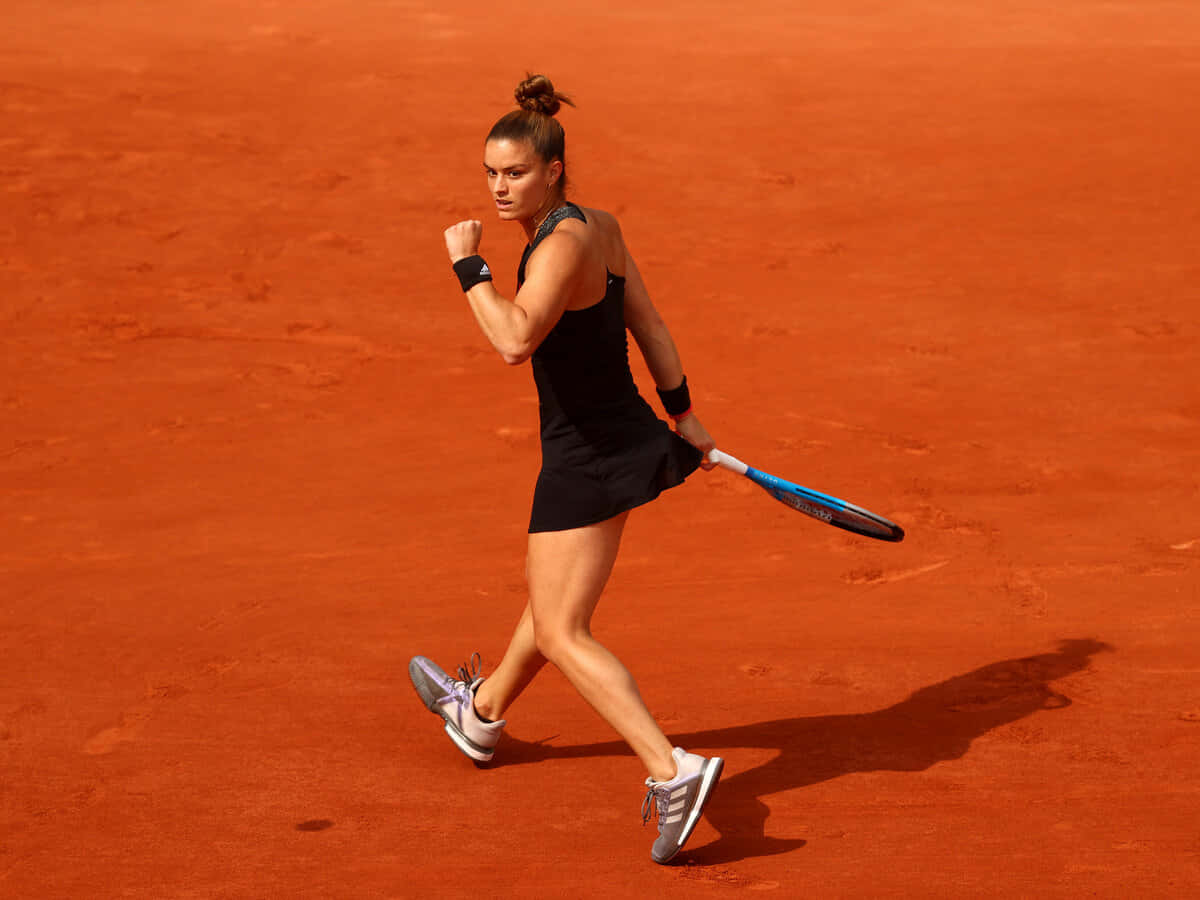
(935, 724)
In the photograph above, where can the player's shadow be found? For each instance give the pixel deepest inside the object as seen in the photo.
(935, 724)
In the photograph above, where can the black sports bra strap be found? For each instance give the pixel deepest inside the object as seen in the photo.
(567, 211)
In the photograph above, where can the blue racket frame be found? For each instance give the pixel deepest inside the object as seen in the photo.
(823, 507)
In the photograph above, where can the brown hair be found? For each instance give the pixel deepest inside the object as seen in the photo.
(534, 122)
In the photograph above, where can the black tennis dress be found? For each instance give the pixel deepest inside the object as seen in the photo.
(604, 451)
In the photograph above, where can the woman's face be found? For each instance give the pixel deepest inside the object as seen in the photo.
(521, 182)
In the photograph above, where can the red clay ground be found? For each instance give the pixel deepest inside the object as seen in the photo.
(936, 257)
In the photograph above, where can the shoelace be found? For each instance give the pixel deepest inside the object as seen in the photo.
(469, 670)
(650, 808)
(460, 688)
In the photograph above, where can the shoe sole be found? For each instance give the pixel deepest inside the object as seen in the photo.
(708, 784)
(466, 745)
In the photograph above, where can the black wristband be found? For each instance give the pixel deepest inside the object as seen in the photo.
(472, 270)
(676, 401)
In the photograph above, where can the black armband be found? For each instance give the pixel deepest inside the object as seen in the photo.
(677, 401)
(472, 270)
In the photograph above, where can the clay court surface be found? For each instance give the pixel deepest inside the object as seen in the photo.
(938, 258)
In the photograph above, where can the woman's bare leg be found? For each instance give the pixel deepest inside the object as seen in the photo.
(567, 571)
(522, 661)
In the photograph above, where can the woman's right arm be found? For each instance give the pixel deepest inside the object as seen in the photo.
(516, 327)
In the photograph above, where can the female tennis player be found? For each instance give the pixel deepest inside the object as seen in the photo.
(604, 451)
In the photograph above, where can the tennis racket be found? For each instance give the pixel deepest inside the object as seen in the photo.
(829, 510)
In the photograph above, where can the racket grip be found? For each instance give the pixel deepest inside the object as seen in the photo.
(725, 461)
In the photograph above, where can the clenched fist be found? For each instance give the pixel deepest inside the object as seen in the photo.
(462, 240)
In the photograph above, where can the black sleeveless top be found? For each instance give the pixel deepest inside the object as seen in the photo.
(603, 449)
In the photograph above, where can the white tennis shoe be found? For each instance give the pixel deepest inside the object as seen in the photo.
(679, 802)
(454, 700)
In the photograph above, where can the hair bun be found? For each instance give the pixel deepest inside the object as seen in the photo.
(536, 94)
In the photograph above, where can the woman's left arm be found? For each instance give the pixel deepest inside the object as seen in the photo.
(662, 356)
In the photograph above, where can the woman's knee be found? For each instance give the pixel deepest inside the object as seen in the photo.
(554, 642)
